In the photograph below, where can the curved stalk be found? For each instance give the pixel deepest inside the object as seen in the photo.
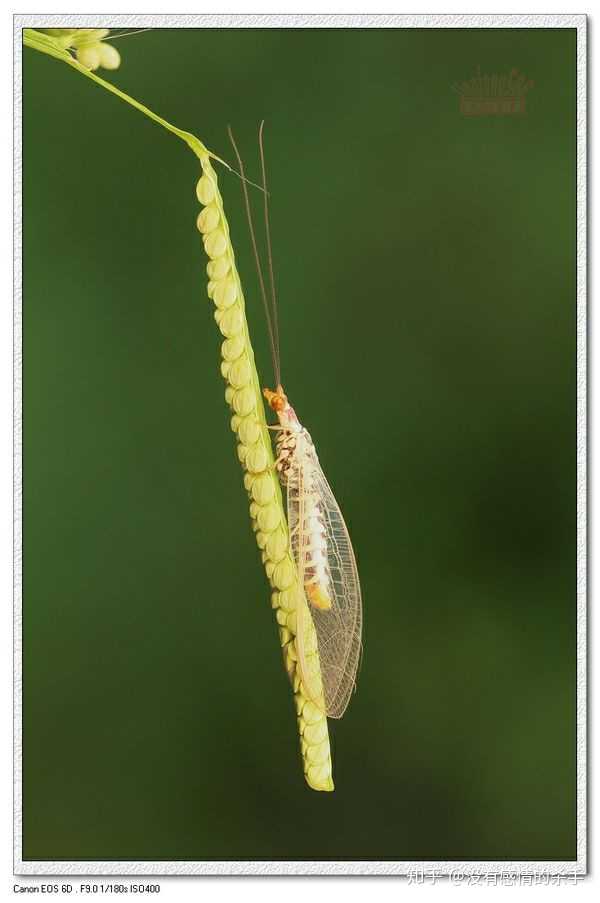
(243, 395)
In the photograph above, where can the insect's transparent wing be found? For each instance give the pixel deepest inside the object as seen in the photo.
(338, 628)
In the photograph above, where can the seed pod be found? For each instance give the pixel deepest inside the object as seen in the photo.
(109, 56)
(257, 459)
(269, 517)
(215, 243)
(208, 219)
(225, 292)
(232, 322)
(232, 348)
(240, 372)
(205, 190)
(249, 431)
(243, 401)
(217, 269)
(89, 56)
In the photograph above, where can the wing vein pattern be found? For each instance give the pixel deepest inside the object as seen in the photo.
(324, 557)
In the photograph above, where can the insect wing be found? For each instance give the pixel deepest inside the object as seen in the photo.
(339, 627)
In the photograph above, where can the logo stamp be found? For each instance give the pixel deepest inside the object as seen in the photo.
(493, 95)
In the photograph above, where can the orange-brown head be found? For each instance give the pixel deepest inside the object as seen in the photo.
(277, 399)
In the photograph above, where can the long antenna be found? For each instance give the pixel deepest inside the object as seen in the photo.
(261, 280)
(113, 37)
(125, 34)
(269, 250)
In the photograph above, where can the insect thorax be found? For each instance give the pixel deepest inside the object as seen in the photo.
(286, 447)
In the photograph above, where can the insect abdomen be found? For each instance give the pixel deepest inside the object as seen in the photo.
(317, 596)
(316, 573)
(311, 544)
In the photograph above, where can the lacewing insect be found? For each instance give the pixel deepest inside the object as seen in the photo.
(319, 541)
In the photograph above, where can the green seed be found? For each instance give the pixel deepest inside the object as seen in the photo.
(205, 190)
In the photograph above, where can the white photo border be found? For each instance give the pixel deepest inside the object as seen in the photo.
(360, 867)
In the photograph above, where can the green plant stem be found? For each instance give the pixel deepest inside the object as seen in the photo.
(48, 45)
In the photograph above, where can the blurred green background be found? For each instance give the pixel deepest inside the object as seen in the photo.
(426, 272)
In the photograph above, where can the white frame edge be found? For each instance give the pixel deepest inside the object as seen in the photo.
(370, 867)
